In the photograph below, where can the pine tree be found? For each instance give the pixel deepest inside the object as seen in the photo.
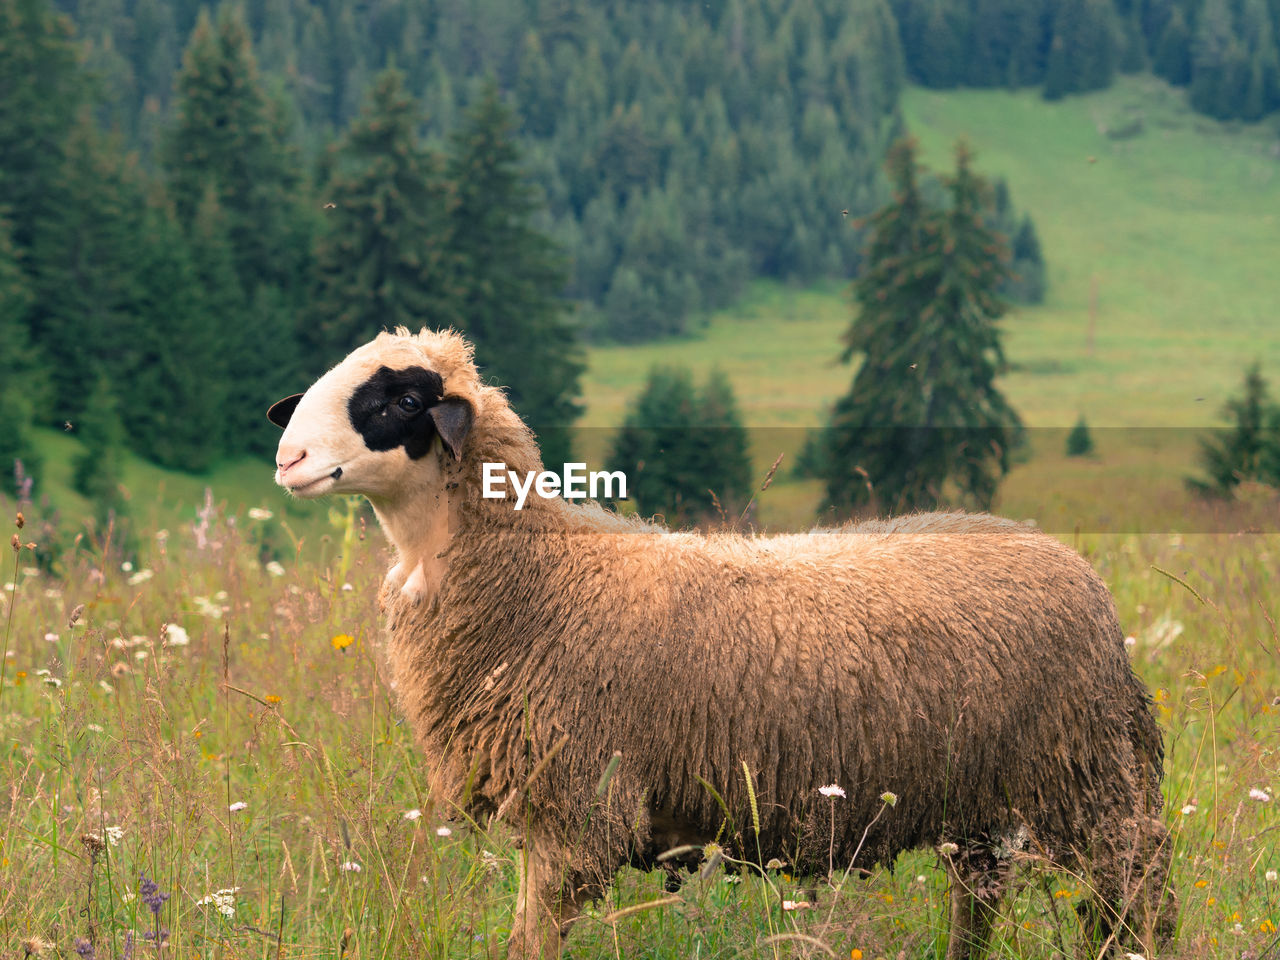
(383, 259)
(97, 470)
(1248, 449)
(1173, 52)
(21, 377)
(923, 423)
(228, 133)
(40, 93)
(680, 445)
(1028, 281)
(1082, 53)
(509, 278)
(1079, 441)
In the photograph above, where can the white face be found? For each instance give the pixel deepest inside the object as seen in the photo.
(367, 426)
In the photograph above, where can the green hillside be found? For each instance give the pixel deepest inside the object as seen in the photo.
(1172, 232)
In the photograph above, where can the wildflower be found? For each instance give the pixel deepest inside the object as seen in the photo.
(149, 890)
(796, 905)
(1189, 809)
(34, 946)
(349, 866)
(1271, 876)
(1134, 956)
(272, 698)
(275, 568)
(1130, 642)
(95, 728)
(1260, 795)
(1267, 927)
(237, 806)
(921, 878)
(142, 576)
(162, 535)
(1201, 884)
(414, 814)
(890, 798)
(106, 687)
(51, 638)
(1238, 928)
(342, 641)
(114, 834)
(443, 832)
(855, 954)
(84, 948)
(258, 513)
(347, 588)
(127, 567)
(140, 654)
(175, 636)
(947, 849)
(224, 901)
(732, 878)
(832, 790)
(775, 864)
(53, 682)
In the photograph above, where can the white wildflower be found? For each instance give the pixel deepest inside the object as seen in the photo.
(31, 571)
(175, 635)
(114, 834)
(1271, 876)
(832, 790)
(127, 567)
(106, 687)
(224, 901)
(275, 568)
(53, 682)
(890, 798)
(1134, 956)
(796, 905)
(207, 608)
(347, 588)
(1260, 795)
(1238, 928)
(52, 593)
(1189, 809)
(258, 513)
(443, 832)
(921, 878)
(142, 576)
(237, 806)
(1130, 642)
(140, 654)
(349, 866)
(51, 638)
(94, 728)
(413, 814)
(162, 535)
(948, 849)
(732, 878)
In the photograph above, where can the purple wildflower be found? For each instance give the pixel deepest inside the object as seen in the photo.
(128, 946)
(149, 890)
(84, 948)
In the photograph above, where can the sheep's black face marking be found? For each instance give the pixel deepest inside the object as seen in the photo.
(389, 409)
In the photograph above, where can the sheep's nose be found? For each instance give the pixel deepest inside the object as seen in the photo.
(286, 458)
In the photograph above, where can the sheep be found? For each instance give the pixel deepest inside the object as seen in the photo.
(970, 665)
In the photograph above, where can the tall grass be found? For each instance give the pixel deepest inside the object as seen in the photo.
(221, 730)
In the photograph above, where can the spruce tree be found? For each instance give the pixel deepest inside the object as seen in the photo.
(1173, 50)
(97, 470)
(679, 445)
(509, 278)
(1083, 51)
(383, 259)
(20, 393)
(1248, 449)
(923, 423)
(1079, 441)
(228, 133)
(1028, 279)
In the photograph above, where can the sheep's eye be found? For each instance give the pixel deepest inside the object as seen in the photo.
(409, 404)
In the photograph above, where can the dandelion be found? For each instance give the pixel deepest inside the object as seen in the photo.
(413, 814)
(775, 864)
(1271, 876)
(948, 849)
(342, 641)
(275, 568)
(1260, 795)
(224, 901)
(258, 513)
(443, 832)
(349, 866)
(237, 806)
(142, 576)
(832, 790)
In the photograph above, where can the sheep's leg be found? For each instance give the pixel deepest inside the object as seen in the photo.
(545, 905)
(1131, 908)
(978, 881)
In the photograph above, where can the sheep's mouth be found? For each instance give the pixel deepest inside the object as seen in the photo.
(316, 486)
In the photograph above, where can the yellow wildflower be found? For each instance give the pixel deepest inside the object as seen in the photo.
(342, 641)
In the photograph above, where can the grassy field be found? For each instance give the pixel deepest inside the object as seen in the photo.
(215, 722)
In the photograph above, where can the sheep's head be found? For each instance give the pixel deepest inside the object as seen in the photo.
(370, 425)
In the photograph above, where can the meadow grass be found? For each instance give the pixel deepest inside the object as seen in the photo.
(221, 725)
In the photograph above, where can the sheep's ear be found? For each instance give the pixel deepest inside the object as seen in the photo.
(281, 411)
(453, 417)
